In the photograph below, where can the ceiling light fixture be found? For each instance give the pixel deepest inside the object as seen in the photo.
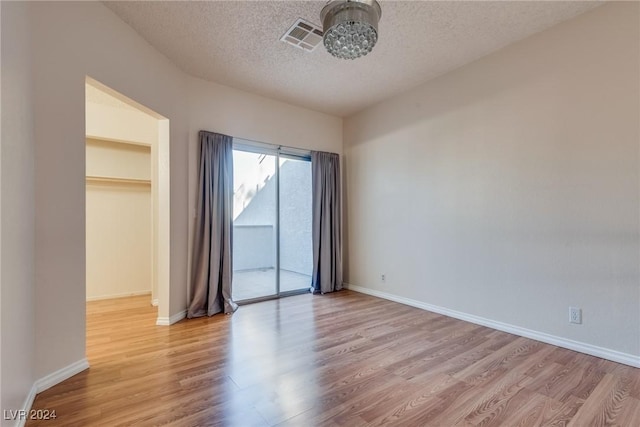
(350, 27)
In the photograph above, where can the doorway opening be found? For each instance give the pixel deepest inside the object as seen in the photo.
(272, 217)
(127, 200)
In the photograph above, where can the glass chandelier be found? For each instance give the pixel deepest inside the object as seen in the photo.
(350, 27)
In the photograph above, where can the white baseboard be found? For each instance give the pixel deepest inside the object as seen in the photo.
(28, 403)
(154, 302)
(124, 295)
(60, 375)
(166, 321)
(50, 380)
(605, 353)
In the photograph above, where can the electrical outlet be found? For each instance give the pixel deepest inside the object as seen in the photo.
(383, 277)
(575, 315)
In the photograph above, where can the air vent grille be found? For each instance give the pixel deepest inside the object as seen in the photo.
(303, 34)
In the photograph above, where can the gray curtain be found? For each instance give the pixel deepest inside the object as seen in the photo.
(327, 225)
(212, 268)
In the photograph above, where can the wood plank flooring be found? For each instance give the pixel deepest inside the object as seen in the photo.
(343, 359)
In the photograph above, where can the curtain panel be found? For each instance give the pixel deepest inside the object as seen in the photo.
(327, 222)
(212, 265)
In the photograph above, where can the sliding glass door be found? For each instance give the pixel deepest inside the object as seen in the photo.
(272, 253)
(296, 252)
(254, 225)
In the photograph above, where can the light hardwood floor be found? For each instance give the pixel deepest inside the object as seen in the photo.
(343, 359)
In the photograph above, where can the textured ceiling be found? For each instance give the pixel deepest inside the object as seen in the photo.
(236, 43)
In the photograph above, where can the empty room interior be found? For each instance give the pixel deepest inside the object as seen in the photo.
(320, 213)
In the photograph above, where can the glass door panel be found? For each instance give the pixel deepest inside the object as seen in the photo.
(254, 225)
(296, 252)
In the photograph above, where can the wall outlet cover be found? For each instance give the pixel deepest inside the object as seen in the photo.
(575, 315)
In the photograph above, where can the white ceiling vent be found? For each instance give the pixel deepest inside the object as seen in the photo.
(303, 34)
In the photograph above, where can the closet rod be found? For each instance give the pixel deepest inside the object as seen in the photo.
(112, 180)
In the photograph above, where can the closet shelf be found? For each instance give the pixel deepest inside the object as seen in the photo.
(112, 180)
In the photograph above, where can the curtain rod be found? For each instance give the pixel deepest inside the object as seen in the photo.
(277, 146)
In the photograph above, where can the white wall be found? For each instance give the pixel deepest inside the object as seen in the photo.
(243, 115)
(508, 189)
(70, 41)
(17, 211)
(118, 219)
